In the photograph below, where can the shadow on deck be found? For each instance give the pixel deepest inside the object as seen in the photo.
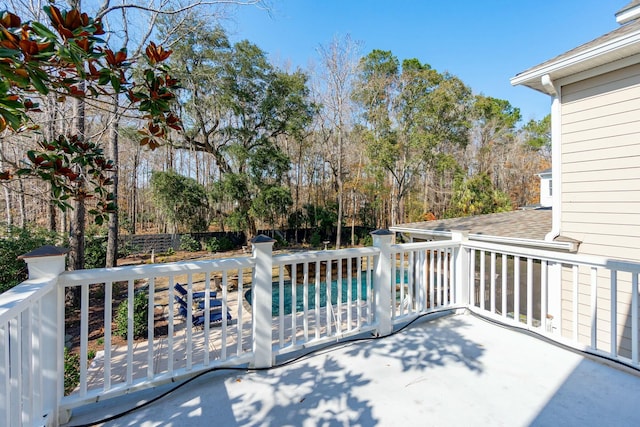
(454, 370)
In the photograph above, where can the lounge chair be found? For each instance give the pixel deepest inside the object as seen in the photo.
(198, 318)
(195, 295)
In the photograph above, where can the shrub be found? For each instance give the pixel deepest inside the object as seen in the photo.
(95, 252)
(366, 240)
(71, 371)
(127, 248)
(315, 240)
(188, 243)
(280, 242)
(221, 244)
(140, 315)
(15, 241)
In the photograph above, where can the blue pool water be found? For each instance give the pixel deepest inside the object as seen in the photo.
(311, 293)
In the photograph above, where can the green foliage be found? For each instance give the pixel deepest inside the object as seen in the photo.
(69, 58)
(71, 371)
(315, 239)
(221, 244)
(538, 134)
(188, 243)
(95, 252)
(476, 196)
(70, 165)
(271, 203)
(237, 113)
(280, 242)
(182, 200)
(296, 219)
(127, 248)
(14, 242)
(322, 218)
(366, 240)
(414, 114)
(499, 112)
(140, 315)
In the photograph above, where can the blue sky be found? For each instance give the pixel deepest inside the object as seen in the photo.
(484, 42)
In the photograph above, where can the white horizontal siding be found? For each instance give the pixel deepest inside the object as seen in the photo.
(601, 194)
(605, 86)
(596, 108)
(600, 162)
(602, 186)
(630, 173)
(619, 154)
(587, 141)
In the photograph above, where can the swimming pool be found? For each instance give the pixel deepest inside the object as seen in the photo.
(311, 293)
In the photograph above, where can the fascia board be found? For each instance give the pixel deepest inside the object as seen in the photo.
(583, 59)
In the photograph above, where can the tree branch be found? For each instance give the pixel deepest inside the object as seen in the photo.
(110, 9)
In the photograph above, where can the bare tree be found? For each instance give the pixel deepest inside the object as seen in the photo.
(338, 62)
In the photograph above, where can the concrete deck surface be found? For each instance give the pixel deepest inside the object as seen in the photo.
(453, 371)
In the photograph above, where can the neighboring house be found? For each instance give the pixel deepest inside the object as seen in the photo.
(595, 115)
(546, 188)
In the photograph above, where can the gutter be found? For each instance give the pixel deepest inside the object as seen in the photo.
(556, 155)
(556, 67)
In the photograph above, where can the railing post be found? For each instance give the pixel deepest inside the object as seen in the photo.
(49, 262)
(461, 265)
(382, 239)
(262, 301)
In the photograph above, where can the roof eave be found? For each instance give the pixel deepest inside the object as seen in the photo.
(607, 52)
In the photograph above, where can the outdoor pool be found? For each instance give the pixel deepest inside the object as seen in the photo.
(311, 293)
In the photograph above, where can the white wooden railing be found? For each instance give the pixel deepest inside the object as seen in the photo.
(589, 303)
(319, 297)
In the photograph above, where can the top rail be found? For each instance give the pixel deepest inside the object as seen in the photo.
(324, 255)
(556, 257)
(16, 300)
(79, 277)
(415, 246)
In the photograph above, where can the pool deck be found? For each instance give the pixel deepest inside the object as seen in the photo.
(451, 371)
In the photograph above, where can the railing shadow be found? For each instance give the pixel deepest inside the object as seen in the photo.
(317, 391)
(427, 345)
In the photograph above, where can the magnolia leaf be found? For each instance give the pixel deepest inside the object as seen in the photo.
(37, 83)
(43, 31)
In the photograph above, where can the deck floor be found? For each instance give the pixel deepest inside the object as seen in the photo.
(452, 371)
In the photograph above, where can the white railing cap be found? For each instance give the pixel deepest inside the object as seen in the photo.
(382, 232)
(47, 250)
(261, 238)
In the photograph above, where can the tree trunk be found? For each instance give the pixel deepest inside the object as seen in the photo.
(134, 192)
(22, 204)
(340, 187)
(112, 228)
(77, 225)
(353, 217)
(7, 201)
(78, 216)
(49, 132)
(51, 213)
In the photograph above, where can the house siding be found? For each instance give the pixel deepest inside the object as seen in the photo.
(601, 192)
(600, 159)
